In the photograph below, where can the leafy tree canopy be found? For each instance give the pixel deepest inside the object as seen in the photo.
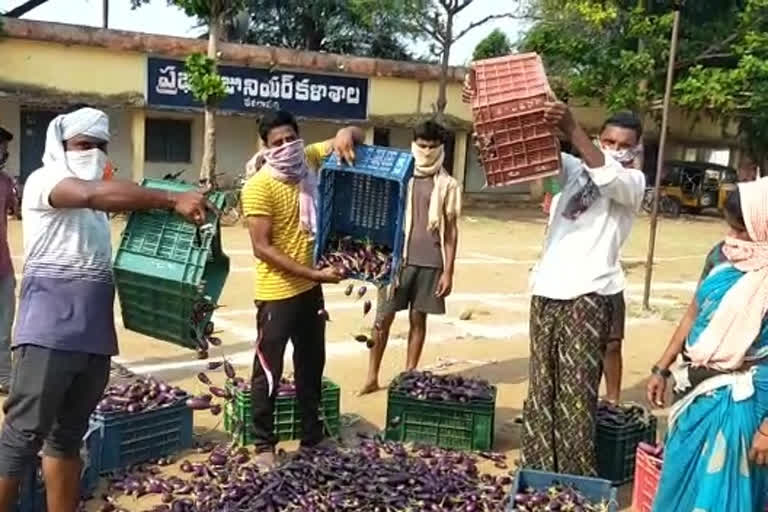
(496, 44)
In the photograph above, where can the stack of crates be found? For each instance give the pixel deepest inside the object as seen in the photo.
(365, 201)
(515, 144)
(238, 420)
(594, 489)
(126, 438)
(166, 267)
(451, 425)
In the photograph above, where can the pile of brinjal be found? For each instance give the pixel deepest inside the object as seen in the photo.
(358, 259)
(141, 394)
(377, 476)
(622, 416)
(557, 498)
(445, 388)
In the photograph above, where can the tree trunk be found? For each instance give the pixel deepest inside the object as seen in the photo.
(442, 100)
(208, 168)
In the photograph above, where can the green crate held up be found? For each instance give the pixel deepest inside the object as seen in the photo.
(166, 267)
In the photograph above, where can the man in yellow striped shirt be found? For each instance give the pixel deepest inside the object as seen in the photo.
(279, 202)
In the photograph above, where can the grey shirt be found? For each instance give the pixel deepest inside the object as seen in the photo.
(424, 247)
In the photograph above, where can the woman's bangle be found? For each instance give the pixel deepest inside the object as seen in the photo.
(760, 429)
(664, 372)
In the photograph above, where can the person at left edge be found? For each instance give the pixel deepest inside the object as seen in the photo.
(65, 331)
(279, 202)
(8, 205)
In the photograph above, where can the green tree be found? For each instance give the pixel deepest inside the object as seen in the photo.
(616, 52)
(496, 44)
(371, 28)
(205, 83)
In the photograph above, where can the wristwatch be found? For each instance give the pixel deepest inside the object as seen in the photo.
(661, 371)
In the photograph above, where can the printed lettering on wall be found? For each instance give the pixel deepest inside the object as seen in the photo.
(254, 90)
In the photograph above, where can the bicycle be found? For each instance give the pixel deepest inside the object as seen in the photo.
(232, 212)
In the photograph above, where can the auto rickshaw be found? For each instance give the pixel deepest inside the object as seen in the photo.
(694, 186)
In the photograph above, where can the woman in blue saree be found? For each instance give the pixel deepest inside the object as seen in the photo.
(717, 445)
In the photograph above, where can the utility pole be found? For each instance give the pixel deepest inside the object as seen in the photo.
(660, 161)
(105, 13)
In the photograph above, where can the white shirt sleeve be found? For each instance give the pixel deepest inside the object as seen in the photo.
(625, 186)
(571, 168)
(38, 188)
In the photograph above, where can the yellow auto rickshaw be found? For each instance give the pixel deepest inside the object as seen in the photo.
(694, 186)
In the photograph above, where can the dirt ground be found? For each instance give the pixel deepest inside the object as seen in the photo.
(497, 249)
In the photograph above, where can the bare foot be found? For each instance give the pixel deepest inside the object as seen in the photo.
(369, 388)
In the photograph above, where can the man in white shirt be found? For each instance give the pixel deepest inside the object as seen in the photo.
(572, 304)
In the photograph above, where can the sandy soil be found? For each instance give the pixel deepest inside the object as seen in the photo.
(497, 249)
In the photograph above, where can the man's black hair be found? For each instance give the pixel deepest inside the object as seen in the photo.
(628, 120)
(430, 130)
(5, 135)
(276, 118)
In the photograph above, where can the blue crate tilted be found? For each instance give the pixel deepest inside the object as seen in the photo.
(594, 489)
(128, 439)
(366, 200)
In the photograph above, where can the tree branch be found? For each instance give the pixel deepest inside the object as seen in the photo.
(479, 22)
(460, 7)
(433, 32)
(24, 8)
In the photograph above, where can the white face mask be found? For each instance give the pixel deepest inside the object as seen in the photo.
(87, 165)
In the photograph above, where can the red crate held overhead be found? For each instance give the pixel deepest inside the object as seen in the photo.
(514, 143)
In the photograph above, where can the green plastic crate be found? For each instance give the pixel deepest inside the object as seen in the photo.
(452, 425)
(287, 418)
(165, 265)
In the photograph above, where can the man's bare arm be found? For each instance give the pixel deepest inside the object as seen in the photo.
(122, 196)
(260, 229)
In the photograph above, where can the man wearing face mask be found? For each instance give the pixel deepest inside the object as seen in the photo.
(616, 141)
(431, 238)
(8, 204)
(65, 331)
(577, 306)
(280, 204)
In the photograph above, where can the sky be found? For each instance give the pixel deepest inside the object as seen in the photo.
(158, 18)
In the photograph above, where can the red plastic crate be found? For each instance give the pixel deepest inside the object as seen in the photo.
(647, 475)
(509, 94)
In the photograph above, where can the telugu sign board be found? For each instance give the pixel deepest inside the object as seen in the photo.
(257, 90)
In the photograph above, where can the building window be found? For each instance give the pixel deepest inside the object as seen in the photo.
(381, 136)
(168, 140)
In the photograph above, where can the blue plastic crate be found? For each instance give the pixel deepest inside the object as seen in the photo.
(32, 491)
(128, 439)
(594, 489)
(90, 455)
(365, 201)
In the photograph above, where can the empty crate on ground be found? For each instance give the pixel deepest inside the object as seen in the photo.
(647, 475)
(513, 142)
(170, 273)
(361, 211)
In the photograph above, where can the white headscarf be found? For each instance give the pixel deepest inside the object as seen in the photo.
(86, 121)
